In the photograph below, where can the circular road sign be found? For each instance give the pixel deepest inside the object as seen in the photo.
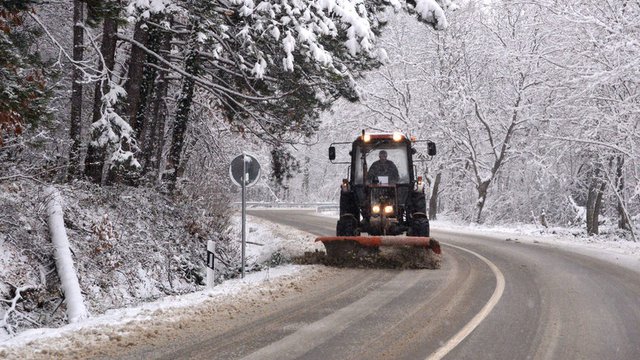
(251, 167)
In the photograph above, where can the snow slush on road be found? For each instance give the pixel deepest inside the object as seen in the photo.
(386, 201)
(351, 255)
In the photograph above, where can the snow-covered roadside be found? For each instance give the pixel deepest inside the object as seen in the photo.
(273, 243)
(277, 243)
(623, 252)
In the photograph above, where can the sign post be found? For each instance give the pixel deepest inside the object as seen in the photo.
(244, 171)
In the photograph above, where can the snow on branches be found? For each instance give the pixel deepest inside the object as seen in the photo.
(111, 131)
(310, 27)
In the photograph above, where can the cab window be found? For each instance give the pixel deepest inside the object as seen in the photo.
(396, 154)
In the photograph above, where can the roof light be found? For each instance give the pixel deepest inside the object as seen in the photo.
(366, 138)
(397, 136)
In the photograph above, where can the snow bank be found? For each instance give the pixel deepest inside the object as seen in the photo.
(606, 246)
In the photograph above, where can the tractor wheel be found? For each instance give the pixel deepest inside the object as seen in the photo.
(348, 204)
(420, 227)
(418, 203)
(346, 226)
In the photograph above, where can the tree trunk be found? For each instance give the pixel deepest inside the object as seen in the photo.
(182, 115)
(75, 131)
(94, 163)
(134, 85)
(433, 200)
(623, 216)
(153, 147)
(594, 205)
(152, 110)
(482, 197)
(598, 206)
(108, 51)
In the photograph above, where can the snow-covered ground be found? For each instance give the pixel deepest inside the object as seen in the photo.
(277, 243)
(272, 243)
(607, 246)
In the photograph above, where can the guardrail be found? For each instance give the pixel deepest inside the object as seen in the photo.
(319, 206)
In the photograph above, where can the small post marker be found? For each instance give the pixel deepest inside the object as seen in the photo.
(211, 248)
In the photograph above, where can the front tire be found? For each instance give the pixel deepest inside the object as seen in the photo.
(347, 226)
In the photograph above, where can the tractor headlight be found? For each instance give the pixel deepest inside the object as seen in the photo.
(366, 138)
(397, 136)
(376, 209)
(388, 209)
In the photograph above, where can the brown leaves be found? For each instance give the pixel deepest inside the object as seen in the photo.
(10, 122)
(10, 19)
(10, 118)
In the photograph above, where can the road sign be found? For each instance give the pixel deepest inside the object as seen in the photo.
(244, 171)
(250, 167)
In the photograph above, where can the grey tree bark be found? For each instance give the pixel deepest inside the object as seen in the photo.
(594, 203)
(433, 200)
(75, 129)
(183, 112)
(133, 86)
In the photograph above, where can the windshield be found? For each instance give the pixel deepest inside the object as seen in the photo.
(380, 169)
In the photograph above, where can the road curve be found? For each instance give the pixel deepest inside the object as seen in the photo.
(556, 304)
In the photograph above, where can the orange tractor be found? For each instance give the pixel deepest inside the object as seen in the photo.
(382, 202)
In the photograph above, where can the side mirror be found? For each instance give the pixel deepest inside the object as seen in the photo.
(431, 148)
(332, 153)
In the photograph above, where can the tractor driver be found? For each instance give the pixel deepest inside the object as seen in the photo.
(383, 167)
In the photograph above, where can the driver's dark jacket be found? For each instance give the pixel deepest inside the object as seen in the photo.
(388, 168)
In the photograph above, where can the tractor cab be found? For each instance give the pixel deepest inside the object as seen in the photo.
(391, 158)
(383, 195)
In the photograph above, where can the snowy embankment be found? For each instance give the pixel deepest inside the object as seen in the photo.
(267, 243)
(606, 246)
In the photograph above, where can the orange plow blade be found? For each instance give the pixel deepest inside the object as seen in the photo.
(374, 241)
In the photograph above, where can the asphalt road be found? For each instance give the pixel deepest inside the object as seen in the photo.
(491, 299)
(556, 304)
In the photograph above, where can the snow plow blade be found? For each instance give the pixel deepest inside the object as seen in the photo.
(377, 241)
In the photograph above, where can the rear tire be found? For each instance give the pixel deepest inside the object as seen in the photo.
(420, 227)
(418, 203)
